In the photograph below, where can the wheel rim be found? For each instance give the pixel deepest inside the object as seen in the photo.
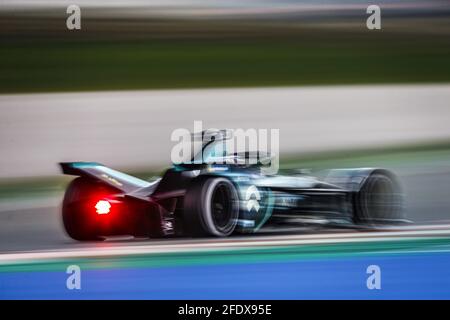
(222, 208)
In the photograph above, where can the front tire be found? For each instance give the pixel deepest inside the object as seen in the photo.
(379, 201)
(211, 207)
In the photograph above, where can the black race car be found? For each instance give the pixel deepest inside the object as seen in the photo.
(211, 199)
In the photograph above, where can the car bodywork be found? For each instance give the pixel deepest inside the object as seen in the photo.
(156, 209)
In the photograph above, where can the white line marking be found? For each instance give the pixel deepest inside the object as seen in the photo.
(221, 245)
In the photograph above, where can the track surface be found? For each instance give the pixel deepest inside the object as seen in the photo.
(37, 226)
(414, 264)
(305, 264)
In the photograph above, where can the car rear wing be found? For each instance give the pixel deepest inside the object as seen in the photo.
(116, 179)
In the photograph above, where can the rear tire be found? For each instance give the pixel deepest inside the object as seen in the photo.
(211, 207)
(79, 219)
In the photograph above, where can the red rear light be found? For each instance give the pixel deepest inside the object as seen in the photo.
(103, 207)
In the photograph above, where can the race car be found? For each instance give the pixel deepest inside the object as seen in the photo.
(213, 198)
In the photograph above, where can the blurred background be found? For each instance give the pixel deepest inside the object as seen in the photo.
(113, 92)
(341, 94)
(157, 44)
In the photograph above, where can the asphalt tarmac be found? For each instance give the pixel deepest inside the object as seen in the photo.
(37, 226)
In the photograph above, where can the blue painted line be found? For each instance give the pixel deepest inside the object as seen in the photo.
(403, 276)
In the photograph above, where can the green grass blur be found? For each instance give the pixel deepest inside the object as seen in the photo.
(310, 58)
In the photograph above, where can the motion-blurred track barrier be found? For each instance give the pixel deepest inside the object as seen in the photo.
(131, 129)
